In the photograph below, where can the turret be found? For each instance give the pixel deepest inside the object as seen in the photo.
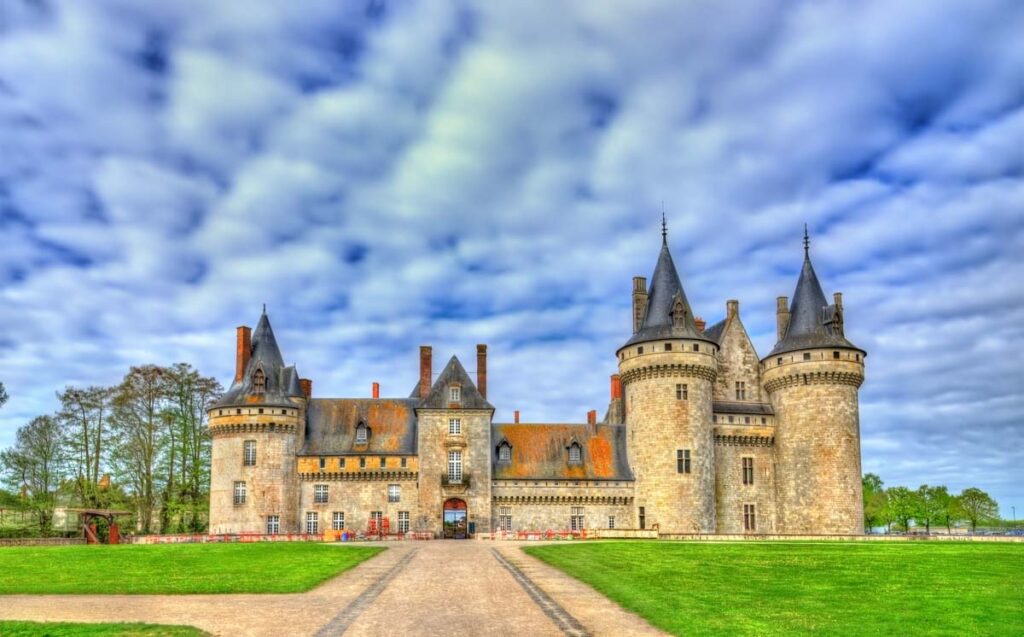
(812, 377)
(257, 427)
(666, 371)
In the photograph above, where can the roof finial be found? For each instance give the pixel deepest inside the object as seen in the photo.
(264, 308)
(664, 226)
(807, 243)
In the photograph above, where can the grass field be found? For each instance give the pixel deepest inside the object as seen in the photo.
(37, 629)
(282, 567)
(793, 588)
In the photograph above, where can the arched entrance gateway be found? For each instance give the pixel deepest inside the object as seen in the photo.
(455, 525)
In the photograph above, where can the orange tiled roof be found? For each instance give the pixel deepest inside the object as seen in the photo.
(540, 451)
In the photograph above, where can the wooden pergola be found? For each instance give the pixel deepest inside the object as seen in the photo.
(89, 524)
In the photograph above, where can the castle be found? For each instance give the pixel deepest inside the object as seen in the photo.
(701, 435)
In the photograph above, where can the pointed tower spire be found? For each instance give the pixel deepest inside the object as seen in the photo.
(664, 226)
(809, 322)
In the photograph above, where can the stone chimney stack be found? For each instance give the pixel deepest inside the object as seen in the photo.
(481, 370)
(616, 387)
(732, 308)
(243, 349)
(837, 298)
(307, 387)
(592, 417)
(782, 316)
(639, 301)
(426, 370)
(515, 416)
(376, 390)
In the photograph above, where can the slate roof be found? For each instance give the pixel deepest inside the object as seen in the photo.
(331, 426)
(665, 291)
(810, 317)
(540, 452)
(282, 382)
(453, 373)
(728, 407)
(715, 331)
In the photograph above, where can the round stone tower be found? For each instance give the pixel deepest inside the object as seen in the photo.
(667, 371)
(257, 429)
(812, 377)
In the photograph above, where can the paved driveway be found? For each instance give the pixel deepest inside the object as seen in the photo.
(443, 587)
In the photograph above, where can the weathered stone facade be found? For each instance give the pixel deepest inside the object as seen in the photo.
(701, 436)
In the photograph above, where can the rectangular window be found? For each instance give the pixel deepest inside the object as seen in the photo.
(376, 519)
(741, 390)
(643, 519)
(323, 463)
(576, 519)
(361, 434)
(312, 522)
(682, 461)
(575, 454)
(835, 355)
(505, 453)
(273, 524)
(362, 463)
(696, 347)
(394, 493)
(338, 521)
(504, 518)
(640, 350)
(807, 356)
(455, 426)
(239, 493)
(455, 394)
(454, 466)
(320, 493)
(748, 471)
(749, 519)
(404, 462)
(249, 453)
(341, 463)
(611, 521)
(668, 347)
(682, 392)
(403, 521)
(383, 462)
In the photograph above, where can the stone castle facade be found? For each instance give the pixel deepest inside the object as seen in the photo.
(701, 435)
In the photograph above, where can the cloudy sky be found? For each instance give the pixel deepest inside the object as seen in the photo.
(384, 175)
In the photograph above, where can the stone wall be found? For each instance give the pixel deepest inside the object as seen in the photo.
(659, 425)
(433, 446)
(817, 441)
(730, 492)
(541, 505)
(356, 497)
(737, 361)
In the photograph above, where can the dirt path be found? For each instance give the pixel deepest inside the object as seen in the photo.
(428, 588)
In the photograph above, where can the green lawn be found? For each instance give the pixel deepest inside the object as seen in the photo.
(36, 629)
(282, 567)
(812, 588)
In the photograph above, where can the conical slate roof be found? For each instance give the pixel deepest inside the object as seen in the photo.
(812, 321)
(281, 382)
(668, 312)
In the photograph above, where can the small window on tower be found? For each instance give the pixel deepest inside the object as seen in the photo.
(835, 355)
(682, 392)
(640, 350)
(807, 356)
(259, 382)
(696, 347)
(778, 361)
(668, 347)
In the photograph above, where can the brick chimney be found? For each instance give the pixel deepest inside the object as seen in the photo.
(639, 301)
(481, 370)
(616, 388)
(307, 387)
(782, 315)
(243, 348)
(376, 390)
(592, 417)
(426, 370)
(516, 416)
(700, 323)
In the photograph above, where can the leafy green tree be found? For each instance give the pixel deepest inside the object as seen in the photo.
(874, 501)
(975, 505)
(932, 504)
(35, 464)
(903, 505)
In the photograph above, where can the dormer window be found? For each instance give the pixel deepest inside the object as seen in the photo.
(259, 382)
(454, 394)
(362, 433)
(575, 453)
(505, 452)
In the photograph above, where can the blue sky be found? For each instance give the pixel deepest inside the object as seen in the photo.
(383, 175)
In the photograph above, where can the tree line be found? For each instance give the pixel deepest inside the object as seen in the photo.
(141, 444)
(926, 506)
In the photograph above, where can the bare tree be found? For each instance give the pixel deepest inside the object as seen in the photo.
(35, 464)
